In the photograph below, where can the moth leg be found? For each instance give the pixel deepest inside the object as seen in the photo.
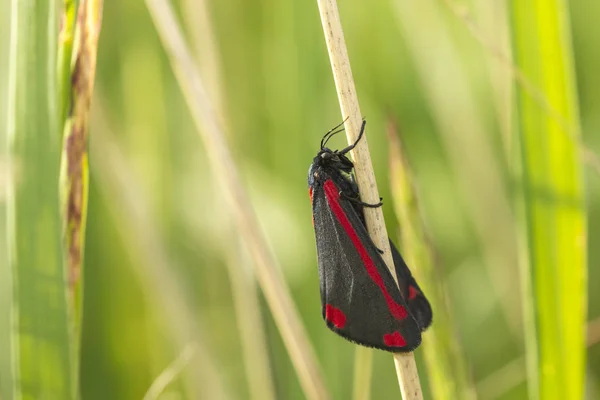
(357, 201)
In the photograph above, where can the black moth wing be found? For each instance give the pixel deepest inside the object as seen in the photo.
(411, 292)
(417, 302)
(360, 299)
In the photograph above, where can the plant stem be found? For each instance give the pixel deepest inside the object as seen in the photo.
(406, 369)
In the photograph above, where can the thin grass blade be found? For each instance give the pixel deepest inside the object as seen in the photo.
(74, 173)
(65, 53)
(551, 202)
(5, 174)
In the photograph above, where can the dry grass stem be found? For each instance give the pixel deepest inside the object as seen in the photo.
(225, 171)
(170, 373)
(198, 21)
(406, 369)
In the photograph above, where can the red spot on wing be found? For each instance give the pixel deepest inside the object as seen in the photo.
(412, 292)
(335, 316)
(333, 196)
(394, 339)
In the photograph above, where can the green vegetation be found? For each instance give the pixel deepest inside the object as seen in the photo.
(502, 148)
(551, 202)
(36, 324)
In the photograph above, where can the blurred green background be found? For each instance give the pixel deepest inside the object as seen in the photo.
(268, 64)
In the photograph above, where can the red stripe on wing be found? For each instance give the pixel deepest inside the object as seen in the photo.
(333, 196)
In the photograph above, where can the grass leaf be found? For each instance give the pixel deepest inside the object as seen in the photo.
(40, 337)
(75, 103)
(551, 203)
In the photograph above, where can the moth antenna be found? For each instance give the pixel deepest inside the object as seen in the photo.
(331, 132)
(331, 135)
(360, 135)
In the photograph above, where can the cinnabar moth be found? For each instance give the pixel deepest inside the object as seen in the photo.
(360, 300)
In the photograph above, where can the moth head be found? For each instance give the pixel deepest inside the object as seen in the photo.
(333, 159)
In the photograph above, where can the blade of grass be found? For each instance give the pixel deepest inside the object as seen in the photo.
(65, 53)
(551, 203)
(198, 20)
(448, 374)
(5, 274)
(267, 270)
(41, 336)
(74, 174)
(406, 369)
(170, 373)
(6, 294)
(5, 175)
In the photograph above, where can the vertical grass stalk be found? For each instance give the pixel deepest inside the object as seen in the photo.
(551, 202)
(42, 366)
(406, 369)
(76, 90)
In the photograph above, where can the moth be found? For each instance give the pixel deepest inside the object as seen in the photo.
(360, 299)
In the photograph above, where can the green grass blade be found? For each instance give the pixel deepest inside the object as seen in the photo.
(40, 337)
(551, 201)
(5, 286)
(74, 171)
(447, 370)
(5, 275)
(65, 53)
